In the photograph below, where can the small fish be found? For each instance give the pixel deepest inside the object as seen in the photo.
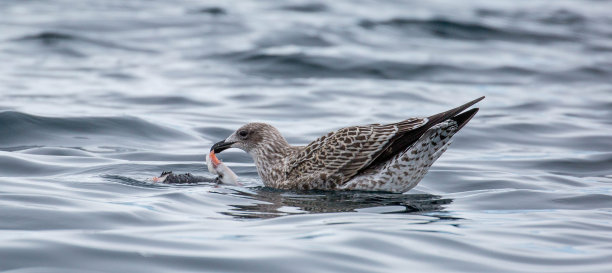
(215, 166)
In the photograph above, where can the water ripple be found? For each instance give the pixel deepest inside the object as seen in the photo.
(97, 97)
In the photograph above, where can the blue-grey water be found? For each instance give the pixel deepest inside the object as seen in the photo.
(97, 97)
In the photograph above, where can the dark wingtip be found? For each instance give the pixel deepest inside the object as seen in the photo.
(476, 100)
(407, 138)
(463, 118)
(435, 119)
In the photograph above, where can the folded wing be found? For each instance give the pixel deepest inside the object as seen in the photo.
(342, 154)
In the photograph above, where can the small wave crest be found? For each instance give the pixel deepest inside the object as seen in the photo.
(452, 29)
(26, 129)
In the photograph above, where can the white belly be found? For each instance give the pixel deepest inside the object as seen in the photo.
(405, 170)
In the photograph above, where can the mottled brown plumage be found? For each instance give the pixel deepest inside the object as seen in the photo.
(388, 157)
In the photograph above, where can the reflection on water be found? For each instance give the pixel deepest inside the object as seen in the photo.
(273, 203)
(97, 97)
(265, 202)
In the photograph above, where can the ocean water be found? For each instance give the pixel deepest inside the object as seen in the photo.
(97, 97)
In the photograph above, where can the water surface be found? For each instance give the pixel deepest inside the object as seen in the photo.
(96, 97)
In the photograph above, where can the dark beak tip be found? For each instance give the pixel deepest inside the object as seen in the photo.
(221, 146)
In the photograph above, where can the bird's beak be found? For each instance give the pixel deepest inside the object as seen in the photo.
(221, 146)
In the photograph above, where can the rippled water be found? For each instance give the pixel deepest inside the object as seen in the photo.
(96, 97)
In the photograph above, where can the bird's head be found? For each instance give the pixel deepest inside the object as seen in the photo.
(252, 138)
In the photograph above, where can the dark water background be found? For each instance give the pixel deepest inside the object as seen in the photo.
(96, 97)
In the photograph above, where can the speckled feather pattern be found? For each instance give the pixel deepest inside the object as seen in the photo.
(340, 160)
(376, 157)
(405, 170)
(332, 160)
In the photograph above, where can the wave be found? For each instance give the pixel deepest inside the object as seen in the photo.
(306, 65)
(12, 166)
(450, 29)
(554, 17)
(215, 11)
(26, 129)
(299, 65)
(302, 39)
(307, 7)
(171, 101)
(53, 39)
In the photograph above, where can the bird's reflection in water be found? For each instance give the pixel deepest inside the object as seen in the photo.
(264, 202)
(270, 203)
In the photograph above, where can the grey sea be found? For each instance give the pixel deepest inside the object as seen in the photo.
(98, 97)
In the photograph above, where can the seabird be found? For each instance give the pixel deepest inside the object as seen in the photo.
(376, 157)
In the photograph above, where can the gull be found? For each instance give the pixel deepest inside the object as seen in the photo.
(376, 157)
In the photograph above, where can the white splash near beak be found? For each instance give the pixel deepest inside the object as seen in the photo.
(215, 166)
(161, 178)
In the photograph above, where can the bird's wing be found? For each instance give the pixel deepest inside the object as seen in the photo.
(344, 153)
(409, 135)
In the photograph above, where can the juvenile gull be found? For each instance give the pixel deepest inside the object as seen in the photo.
(376, 157)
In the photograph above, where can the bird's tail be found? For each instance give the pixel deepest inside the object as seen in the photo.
(463, 118)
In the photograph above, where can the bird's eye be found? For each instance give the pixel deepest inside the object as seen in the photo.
(243, 133)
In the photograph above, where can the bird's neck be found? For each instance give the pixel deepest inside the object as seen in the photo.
(269, 161)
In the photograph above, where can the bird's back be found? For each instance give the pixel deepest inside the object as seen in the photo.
(333, 160)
